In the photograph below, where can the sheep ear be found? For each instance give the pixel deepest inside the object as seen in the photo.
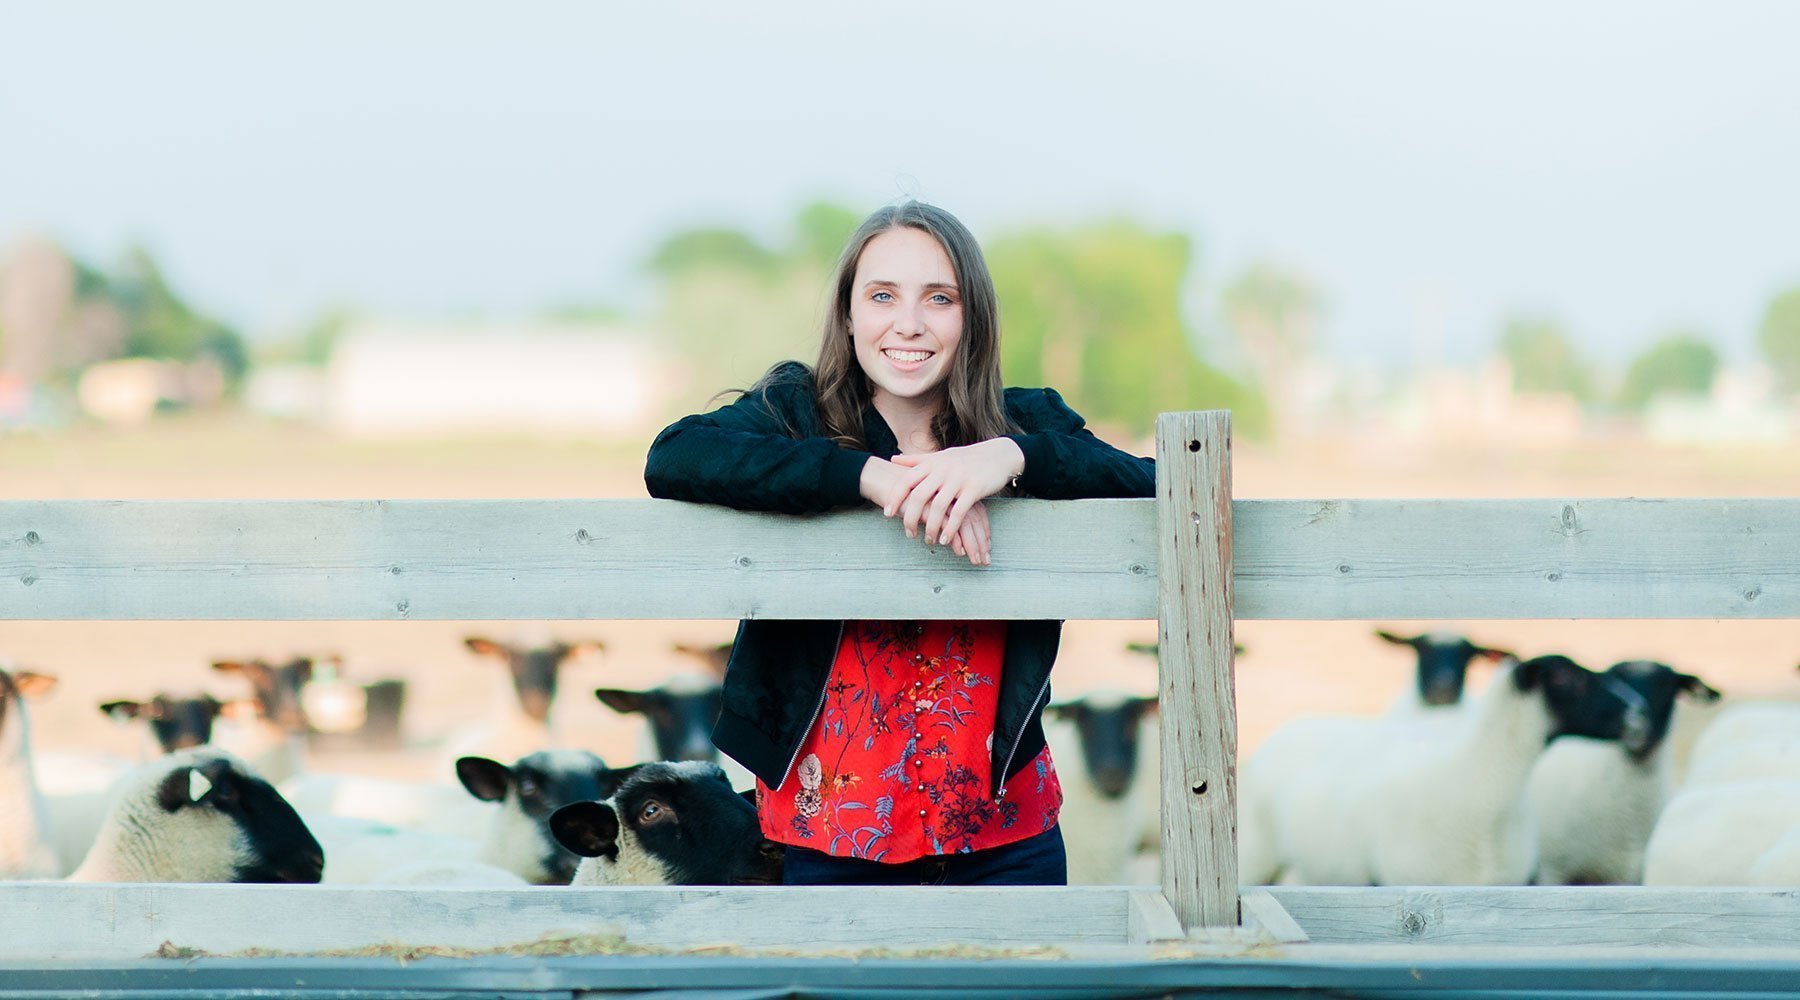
(583, 648)
(1698, 689)
(1494, 655)
(31, 684)
(486, 779)
(1396, 639)
(588, 829)
(248, 668)
(198, 786)
(121, 711)
(1146, 706)
(1068, 711)
(485, 647)
(623, 701)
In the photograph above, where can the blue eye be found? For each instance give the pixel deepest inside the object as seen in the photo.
(941, 298)
(882, 296)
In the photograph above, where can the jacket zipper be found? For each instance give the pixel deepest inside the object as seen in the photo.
(818, 710)
(1005, 769)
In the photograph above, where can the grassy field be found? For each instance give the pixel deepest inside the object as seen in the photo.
(1290, 667)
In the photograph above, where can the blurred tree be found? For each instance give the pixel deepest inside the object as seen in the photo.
(696, 249)
(1543, 359)
(1096, 313)
(1779, 338)
(158, 324)
(822, 229)
(1679, 364)
(1274, 312)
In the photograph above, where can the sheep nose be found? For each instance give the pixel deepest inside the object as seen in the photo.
(1111, 781)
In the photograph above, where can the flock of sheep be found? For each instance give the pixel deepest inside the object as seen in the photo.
(1554, 774)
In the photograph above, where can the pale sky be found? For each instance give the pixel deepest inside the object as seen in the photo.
(1626, 166)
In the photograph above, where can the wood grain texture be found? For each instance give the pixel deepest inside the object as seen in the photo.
(599, 559)
(1198, 714)
(1528, 916)
(52, 921)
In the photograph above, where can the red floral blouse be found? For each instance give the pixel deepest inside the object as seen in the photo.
(896, 767)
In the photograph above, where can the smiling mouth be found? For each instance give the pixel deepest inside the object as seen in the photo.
(906, 357)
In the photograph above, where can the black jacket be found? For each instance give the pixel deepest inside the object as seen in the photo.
(767, 451)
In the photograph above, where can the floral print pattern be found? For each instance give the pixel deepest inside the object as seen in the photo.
(897, 765)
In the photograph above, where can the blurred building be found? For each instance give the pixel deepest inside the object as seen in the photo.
(1742, 409)
(532, 379)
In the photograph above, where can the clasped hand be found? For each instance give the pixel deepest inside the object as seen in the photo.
(938, 494)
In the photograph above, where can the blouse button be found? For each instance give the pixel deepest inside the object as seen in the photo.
(922, 814)
(918, 658)
(918, 762)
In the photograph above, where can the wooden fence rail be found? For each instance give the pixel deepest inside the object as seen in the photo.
(1194, 559)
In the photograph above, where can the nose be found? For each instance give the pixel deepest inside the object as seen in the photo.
(911, 321)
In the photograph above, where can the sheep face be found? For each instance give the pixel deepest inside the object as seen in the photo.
(1579, 701)
(669, 824)
(681, 716)
(1652, 687)
(1109, 728)
(177, 721)
(275, 689)
(1444, 660)
(534, 669)
(209, 800)
(528, 793)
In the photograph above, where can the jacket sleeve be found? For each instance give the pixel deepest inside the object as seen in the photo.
(1065, 461)
(746, 456)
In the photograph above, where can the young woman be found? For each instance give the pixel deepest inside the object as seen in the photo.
(898, 752)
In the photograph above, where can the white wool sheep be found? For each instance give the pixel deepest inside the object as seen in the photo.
(411, 805)
(519, 720)
(26, 848)
(1747, 742)
(200, 815)
(364, 852)
(1107, 756)
(524, 795)
(1739, 833)
(1416, 802)
(1595, 801)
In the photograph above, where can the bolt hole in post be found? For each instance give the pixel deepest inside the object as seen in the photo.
(1200, 789)
(1193, 446)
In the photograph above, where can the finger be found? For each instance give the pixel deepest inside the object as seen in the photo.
(914, 509)
(908, 460)
(934, 515)
(959, 510)
(965, 539)
(908, 483)
(956, 546)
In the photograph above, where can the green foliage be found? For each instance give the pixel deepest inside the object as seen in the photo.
(821, 231)
(1543, 359)
(1275, 312)
(1679, 364)
(1096, 313)
(712, 248)
(1779, 338)
(158, 324)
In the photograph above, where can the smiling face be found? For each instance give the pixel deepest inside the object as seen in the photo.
(906, 315)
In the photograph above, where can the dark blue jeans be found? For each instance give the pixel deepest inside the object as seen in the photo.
(1038, 860)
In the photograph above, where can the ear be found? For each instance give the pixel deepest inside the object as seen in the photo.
(571, 650)
(1696, 688)
(485, 647)
(487, 780)
(31, 684)
(715, 657)
(119, 711)
(623, 701)
(1494, 655)
(588, 829)
(1068, 711)
(1145, 706)
(248, 668)
(1396, 639)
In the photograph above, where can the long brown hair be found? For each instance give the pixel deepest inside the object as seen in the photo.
(973, 409)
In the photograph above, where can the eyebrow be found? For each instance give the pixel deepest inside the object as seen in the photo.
(932, 287)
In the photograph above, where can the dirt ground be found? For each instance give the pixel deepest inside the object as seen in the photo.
(1289, 667)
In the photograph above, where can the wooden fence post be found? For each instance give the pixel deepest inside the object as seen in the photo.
(1199, 708)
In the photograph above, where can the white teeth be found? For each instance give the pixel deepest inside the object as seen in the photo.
(907, 356)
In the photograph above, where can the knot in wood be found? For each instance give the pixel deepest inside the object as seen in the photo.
(31, 538)
(741, 562)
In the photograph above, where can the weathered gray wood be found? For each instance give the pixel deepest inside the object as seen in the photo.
(1511, 559)
(1198, 713)
(1585, 916)
(54, 921)
(1263, 911)
(529, 559)
(1152, 919)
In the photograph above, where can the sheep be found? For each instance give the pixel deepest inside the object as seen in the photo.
(1435, 800)
(521, 720)
(201, 815)
(669, 823)
(27, 850)
(679, 717)
(177, 720)
(365, 852)
(518, 837)
(1443, 668)
(271, 734)
(1746, 742)
(1737, 833)
(1104, 746)
(443, 809)
(1595, 802)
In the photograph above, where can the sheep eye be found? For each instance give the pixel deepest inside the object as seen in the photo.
(651, 812)
(527, 787)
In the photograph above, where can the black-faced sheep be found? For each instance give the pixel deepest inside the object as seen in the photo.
(518, 838)
(669, 824)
